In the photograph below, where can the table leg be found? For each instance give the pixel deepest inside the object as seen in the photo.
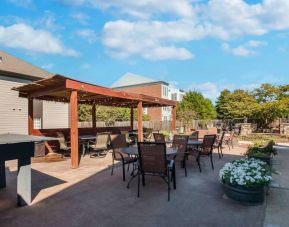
(24, 181)
(2, 174)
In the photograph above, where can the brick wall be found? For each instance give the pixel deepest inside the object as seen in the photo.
(152, 90)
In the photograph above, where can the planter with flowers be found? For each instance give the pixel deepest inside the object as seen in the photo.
(244, 180)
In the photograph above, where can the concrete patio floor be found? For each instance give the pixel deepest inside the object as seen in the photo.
(90, 196)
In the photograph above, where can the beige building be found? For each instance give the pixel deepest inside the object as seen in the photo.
(15, 72)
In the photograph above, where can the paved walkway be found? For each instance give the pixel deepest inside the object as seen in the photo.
(277, 212)
(89, 196)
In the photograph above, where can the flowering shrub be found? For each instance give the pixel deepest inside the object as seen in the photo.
(247, 172)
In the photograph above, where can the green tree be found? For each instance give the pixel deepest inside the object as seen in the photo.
(107, 114)
(263, 105)
(196, 106)
(222, 112)
(273, 103)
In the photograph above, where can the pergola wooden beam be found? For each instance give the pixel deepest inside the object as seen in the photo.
(74, 130)
(30, 117)
(93, 115)
(139, 125)
(174, 118)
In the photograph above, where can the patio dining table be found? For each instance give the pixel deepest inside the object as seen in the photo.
(85, 141)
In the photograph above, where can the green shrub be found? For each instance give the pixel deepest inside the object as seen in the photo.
(262, 151)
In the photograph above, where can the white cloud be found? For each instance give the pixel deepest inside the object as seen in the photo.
(244, 50)
(88, 34)
(24, 37)
(151, 40)
(140, 8)
(158, 29)
(80, 17)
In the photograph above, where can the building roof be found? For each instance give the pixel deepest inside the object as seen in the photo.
(15, 66)
(131, 80)
(58, 88)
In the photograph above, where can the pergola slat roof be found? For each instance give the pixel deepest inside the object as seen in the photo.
(58, 88)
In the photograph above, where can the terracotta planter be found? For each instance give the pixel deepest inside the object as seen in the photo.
(247, 196)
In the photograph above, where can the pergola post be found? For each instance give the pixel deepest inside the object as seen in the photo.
(131, 118)
(139, 122)
(174, 118)
(30, 116)
(74, 130)
(93, 113)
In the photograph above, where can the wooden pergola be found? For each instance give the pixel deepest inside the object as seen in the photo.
(63, 89)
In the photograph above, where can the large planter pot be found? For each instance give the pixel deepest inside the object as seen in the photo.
(247, 196)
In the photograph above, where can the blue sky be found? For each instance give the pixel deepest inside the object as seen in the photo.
(199, 45)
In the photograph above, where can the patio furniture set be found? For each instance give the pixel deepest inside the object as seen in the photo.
(158, 158)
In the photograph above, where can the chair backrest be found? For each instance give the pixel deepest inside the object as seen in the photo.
(102, 139)
(152, 158)
(62, 141)
(180, 143)
(159, 138)
(208, 144)
(194, 135)
(117, 141)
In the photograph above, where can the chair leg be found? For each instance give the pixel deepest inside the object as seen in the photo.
(112, 167)
(199, 164)
(212, 161)
(138, 184)
(128, 166)
(123, 171)
(169, 186)
(219, 152)
(185, 166)
(174, 177)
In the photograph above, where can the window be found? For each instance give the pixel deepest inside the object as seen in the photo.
(37, 123)
(174, 96)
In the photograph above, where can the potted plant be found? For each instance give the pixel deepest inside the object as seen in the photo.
(263, 153)
(244, 180)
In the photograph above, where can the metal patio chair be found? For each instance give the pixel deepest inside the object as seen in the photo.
(159, 138)
(219, 144)
(153, 161)
(99, 147)
(180, 143)
(117, 142)
(205, 149)
(63, 144)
